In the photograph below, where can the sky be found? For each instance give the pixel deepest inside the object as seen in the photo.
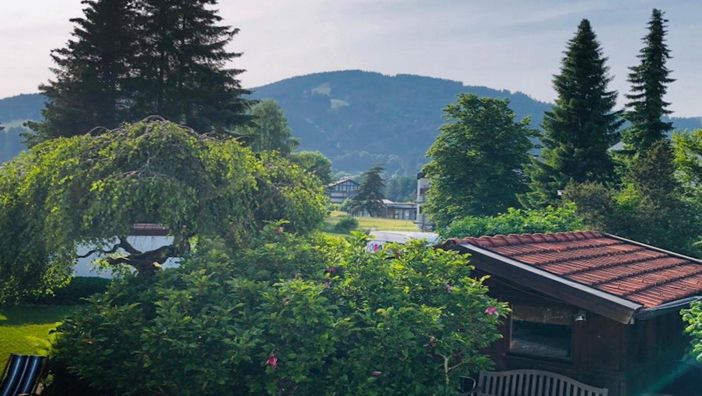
(504, 44)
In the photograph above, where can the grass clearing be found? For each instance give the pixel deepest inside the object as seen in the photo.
(25, 329)
(371, 223)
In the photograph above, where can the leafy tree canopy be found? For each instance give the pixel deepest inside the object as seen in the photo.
(92, 189)
(476, 162)
(517, 221)
(688, 162)
(288, 315)
(269, 130)
(650, 208)
(401, 188)
(315, 163)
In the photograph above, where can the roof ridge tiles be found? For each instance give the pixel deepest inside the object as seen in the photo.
(591, 256)
(518, 239)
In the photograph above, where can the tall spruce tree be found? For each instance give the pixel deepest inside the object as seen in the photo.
(181, 68)
(582, 125)
(88, 86)
(128, 59)
(649, 80)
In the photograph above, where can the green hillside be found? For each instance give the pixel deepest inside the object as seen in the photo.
(356, 118)
(359, 118)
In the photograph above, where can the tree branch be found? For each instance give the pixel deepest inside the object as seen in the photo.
(100, 251)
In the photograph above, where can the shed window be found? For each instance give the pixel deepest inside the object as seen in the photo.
(541, 331)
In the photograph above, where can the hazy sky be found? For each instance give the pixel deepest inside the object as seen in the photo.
(507, 44)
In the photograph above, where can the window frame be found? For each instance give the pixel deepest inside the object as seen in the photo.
(571, 347)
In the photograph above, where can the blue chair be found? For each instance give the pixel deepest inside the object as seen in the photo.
(22, 375)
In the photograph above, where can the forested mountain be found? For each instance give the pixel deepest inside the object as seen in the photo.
(14, 111)
(356, 118)
(360, 119)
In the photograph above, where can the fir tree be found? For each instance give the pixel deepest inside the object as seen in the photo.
(181, 66)
(649, 80)
(370, 192)
(88, 86)
(129, 59)
(582, 125)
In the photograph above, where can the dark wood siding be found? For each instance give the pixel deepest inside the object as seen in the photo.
(626, 359)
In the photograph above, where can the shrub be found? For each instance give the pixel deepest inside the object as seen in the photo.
(693, 317)
(517, 221)
(80, 288)
(346, 225)
(76, 292)
(292, 315)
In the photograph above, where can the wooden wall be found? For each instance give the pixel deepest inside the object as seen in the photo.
(626, 359)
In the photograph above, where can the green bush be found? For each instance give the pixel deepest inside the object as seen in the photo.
(80, 288)
(346, 225)
(517, 221)
(693, 318)
(293, 315)
(76, 292)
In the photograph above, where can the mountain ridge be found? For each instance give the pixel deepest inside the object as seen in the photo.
(357, 118)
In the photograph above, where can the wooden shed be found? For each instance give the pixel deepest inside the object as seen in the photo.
(595, 307)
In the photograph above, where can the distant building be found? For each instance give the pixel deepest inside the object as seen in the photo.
(393, 210)
(342, 189)
(379, 238)
(400, 210)
(421, 219)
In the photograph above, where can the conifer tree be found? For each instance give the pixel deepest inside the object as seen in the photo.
(649, 80)
(370, 192)
(129, 59)
(582, 125)
(181, 66)
(88, 86)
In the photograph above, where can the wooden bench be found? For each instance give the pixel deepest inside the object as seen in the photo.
(531, 383)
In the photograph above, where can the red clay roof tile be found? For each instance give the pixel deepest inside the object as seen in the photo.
(629, 270)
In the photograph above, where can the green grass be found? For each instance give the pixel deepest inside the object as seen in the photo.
(371, 223)
(25, 329)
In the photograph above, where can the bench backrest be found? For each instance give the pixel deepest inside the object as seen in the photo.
(532, 383)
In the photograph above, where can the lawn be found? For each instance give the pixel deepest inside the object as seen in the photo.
(372, 223)
(25, 329)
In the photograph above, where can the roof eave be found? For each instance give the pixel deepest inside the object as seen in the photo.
(662, 309)
(583, 296)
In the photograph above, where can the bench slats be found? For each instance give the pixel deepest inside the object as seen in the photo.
(532, 383)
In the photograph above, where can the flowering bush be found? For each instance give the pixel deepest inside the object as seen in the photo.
(292, 315)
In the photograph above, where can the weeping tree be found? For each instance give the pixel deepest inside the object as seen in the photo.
(91, 190)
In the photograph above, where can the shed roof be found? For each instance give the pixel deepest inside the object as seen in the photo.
(614, 266)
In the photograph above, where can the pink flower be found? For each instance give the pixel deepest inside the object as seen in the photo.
(272, 361)
(491, 311)
(376, 373)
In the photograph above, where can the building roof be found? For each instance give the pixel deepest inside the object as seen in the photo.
(640, 277)
(149, 229)
(342, 180)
